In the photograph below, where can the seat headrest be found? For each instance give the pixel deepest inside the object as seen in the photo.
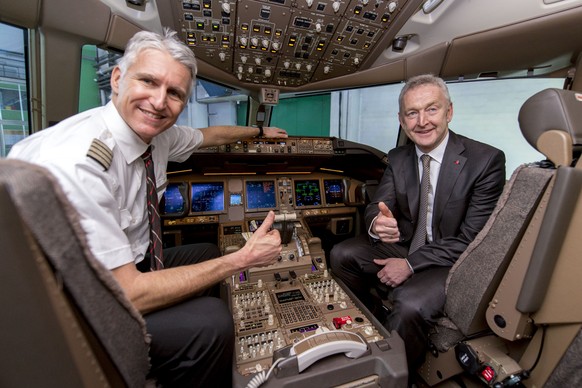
(552, 109)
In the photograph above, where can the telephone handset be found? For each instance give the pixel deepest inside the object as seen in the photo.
(321, 345)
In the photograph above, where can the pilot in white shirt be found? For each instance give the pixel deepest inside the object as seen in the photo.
(107, 189)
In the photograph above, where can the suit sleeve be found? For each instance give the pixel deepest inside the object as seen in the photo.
(487, 187)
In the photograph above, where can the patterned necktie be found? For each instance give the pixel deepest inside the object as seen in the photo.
(419, 238)
(156, 255)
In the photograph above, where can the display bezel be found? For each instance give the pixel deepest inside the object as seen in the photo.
(247, 197)
(184, 189)
(193, 184)
(344, 196)
(303, 205)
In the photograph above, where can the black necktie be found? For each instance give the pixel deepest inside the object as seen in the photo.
(156, 255)
(419, 238)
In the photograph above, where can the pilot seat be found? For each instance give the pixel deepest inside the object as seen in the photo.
(513, 311)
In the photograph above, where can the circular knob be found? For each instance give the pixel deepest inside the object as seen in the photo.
(276, 46)
(250, 70)
(308, 67)
(243, 59)
(222, 56)
(255, 41)
(309, 3)
(265, 43)
(243, 40)
(335, 6)
(258, 61)
(356, 61)
(326, 69)
(225, 7)
(298, 66)
(318, 27)
(286, 64)
(268, 72)
(240, 69)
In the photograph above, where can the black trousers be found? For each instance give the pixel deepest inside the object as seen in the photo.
(417, 302)
(193, 341)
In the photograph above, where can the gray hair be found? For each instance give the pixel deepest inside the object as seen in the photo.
(168, 42)
(419, 80)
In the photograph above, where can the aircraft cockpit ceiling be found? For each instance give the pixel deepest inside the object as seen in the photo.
(314, 45)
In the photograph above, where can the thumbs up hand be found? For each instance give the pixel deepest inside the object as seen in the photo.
(264, 246)
(385, 225)
(385, 210)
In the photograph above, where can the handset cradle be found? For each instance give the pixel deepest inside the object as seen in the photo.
(320, 345)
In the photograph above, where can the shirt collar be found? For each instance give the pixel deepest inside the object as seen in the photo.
(129, 143)
(438, 153)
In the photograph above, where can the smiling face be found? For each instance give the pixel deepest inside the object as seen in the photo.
(425, 116)
(152, 93)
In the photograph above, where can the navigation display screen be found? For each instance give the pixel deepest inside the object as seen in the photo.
(261, 194)
(307, 193)
(207, 197)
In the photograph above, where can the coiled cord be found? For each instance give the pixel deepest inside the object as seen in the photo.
(261, 377)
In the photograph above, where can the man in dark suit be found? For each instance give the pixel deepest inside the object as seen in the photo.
(413, 242)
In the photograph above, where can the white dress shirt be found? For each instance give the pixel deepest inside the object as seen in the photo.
(112, 201)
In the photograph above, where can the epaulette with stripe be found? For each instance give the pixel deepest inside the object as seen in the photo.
(99, 152)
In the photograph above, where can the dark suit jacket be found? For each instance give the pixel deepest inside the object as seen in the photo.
(471, 179)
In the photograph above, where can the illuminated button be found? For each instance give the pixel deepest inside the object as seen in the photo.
(385, 18)
(358, 10)
(200, 25)
(244, 27)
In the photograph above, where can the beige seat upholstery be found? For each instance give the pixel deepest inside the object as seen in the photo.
(65, 321)
(498, 286)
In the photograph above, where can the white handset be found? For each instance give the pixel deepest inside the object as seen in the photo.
(320, 345)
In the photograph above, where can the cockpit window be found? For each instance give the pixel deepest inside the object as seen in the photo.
(485, 110)
(14, 117)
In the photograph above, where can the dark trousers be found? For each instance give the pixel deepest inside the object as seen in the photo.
(193, 341)
(417, 302)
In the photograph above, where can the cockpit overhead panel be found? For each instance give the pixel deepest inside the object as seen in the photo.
(289, 43)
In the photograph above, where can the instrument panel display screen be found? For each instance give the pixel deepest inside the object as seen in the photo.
(307, 193)
(207, 197)
(261, 194)
(174, 201)
(334, 191)
(289, 296)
